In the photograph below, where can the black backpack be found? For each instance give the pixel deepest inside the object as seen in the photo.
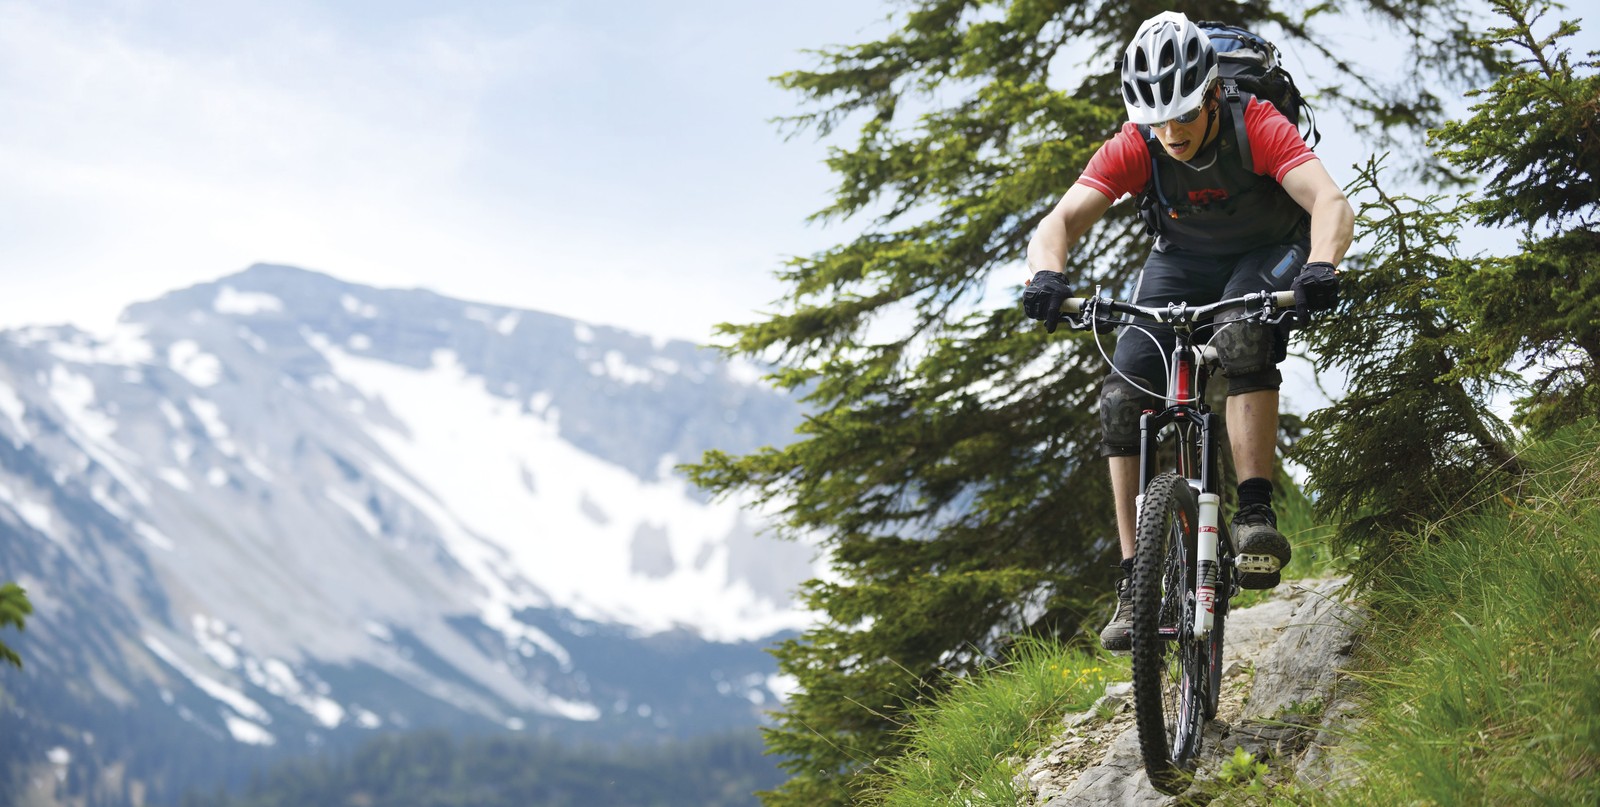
(1247, 64)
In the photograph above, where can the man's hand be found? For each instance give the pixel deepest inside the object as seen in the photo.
(1316, 288)
(1043, 298)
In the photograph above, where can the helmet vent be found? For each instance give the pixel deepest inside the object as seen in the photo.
(1166, 68)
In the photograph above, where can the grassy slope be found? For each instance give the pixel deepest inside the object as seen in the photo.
(1483, 661)
(1483, 664)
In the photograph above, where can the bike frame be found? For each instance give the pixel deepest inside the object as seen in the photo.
(1178, 623)
(1193, 425)
(1192, 419)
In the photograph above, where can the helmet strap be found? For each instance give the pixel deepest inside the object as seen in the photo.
(1211, 120)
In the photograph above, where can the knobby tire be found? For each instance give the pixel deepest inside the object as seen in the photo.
(1171, 674)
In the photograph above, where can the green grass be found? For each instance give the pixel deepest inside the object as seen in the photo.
(1483, 660)
(966, 749)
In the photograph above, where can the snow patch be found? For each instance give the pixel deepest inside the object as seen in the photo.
(91, 429)
(582, 332)
(250, 338)
(278, 678)
(230, 300)
(197, 366)
(462, 456)
(218, 641)
(503, 324)
(357, 511)
(75, 395)
(31, 512)
(173, 416)
(14, 409)
(615, 366)
(156, 538)
(175, 477)
(574, 710)
(353, 306)
(210, 416)
(125, 345)
(245, 731)
(216, 690)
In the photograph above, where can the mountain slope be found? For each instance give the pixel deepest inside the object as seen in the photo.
(280, 509)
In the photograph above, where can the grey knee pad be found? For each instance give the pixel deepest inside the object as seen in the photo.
(1120, 407)
(1270, 378)
(1245, 348)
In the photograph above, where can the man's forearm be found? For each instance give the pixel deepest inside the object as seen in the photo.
(1332, 228)
(1047, 250)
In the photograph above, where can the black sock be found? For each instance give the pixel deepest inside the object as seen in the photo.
(1127, 567)
(1255, 491)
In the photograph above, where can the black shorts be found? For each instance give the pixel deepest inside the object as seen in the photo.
(1177, 276)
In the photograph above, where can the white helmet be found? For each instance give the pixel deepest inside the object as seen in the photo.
(1167, 68)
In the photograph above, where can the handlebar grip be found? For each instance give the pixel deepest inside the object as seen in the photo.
(1283, 299)
(1072, 305)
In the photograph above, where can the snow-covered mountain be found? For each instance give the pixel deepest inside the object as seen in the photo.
(280, 509)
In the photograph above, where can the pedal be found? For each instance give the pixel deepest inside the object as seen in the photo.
(1257, 564)
(1258, 571)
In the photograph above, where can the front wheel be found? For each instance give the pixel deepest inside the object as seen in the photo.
(1170, 667)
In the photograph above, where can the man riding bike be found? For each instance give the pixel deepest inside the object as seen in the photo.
(1222, 229)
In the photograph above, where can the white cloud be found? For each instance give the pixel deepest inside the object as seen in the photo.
(500, 152)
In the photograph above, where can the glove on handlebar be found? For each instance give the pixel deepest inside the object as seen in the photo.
(1043, 297)
(1316, 288)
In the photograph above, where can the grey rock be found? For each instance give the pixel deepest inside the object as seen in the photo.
(1287, 651)
(1301, 668)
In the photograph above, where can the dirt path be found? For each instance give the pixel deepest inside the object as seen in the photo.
(1279, 699)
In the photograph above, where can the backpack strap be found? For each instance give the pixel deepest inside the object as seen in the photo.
(1154, 207)
(1235, 103)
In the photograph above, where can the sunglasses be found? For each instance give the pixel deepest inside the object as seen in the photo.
(1183, 120)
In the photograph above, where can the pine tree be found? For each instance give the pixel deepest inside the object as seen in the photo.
(14, 610)
(1411, 440)
(1535, 133)
(950, 462)
(1430, 336)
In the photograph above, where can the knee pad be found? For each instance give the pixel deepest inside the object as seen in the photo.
(1244, 348)
(1121, 404)
(1270, 378)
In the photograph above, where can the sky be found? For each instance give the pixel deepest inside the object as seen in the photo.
(616, 163)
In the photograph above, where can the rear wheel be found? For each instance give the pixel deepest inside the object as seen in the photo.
(1171, 675)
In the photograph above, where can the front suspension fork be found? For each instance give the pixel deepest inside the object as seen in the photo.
(1206, 565)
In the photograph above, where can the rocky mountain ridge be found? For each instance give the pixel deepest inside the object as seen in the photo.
(281, 511)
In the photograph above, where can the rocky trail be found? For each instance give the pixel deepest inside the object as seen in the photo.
(1281, 701)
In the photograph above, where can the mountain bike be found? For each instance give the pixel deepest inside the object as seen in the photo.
(1184, 570)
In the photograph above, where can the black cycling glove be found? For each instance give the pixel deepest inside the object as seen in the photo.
(1316, 288)
(1043, 297)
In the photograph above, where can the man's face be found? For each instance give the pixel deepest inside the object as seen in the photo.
(1185, 135)
(1182, 140)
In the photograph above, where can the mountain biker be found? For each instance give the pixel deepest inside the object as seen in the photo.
(1222, 229)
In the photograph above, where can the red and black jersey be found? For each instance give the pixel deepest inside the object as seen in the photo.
(1212, 204)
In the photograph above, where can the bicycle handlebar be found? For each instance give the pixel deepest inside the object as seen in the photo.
(1177, 311)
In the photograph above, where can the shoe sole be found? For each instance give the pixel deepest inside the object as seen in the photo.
(1124, 646)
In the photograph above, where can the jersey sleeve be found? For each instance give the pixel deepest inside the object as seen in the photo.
(1121, 166)
(1276, 147)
